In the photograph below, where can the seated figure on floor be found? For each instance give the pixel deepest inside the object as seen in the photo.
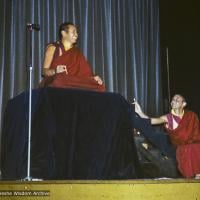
(65, 66)
(183, 127)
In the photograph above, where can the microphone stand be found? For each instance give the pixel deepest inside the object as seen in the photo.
(30, 68)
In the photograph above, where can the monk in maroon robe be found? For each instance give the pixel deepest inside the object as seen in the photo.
(186, 137)
(183, 128)
(65, 66)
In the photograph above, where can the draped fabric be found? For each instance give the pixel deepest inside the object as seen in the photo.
(79, 73)
(76, 134)
(119, 38)
(186, 137)
(188, 130)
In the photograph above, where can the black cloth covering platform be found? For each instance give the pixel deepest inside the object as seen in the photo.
(76, 134)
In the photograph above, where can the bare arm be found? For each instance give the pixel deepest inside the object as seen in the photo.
(154, 121)
(98, 79)
(47, 63)
(159, 120)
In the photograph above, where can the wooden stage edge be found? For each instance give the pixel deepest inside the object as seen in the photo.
(162, 189)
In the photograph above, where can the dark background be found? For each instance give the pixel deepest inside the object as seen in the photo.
(180, 32)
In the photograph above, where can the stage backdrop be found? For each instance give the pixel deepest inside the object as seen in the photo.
(120, 38)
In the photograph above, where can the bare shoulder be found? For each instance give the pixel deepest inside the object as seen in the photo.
(50, 48)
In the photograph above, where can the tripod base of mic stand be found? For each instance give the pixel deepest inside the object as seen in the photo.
(28, 178)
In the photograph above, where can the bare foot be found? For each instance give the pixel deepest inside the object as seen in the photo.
(197, 176)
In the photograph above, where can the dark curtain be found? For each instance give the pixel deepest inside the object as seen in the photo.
(120, 39)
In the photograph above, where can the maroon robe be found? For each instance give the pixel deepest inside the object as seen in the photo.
(186, 137)
(79, 72)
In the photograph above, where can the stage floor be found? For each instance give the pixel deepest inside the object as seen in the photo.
(169, 189)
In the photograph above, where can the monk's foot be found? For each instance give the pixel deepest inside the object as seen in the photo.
(197, 176)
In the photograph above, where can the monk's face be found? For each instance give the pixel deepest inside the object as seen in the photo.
(71, 34)
(178, 102)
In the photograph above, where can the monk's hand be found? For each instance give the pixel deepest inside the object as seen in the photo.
(98, 79)
(61, 68)
(138, 108)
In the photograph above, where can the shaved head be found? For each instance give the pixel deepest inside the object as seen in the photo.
(179, 96)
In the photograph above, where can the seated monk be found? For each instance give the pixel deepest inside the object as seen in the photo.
(65, 66)
(183, 127)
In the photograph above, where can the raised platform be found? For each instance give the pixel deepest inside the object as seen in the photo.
(173, 189)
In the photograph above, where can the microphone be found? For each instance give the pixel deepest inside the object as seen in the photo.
(33, 26)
